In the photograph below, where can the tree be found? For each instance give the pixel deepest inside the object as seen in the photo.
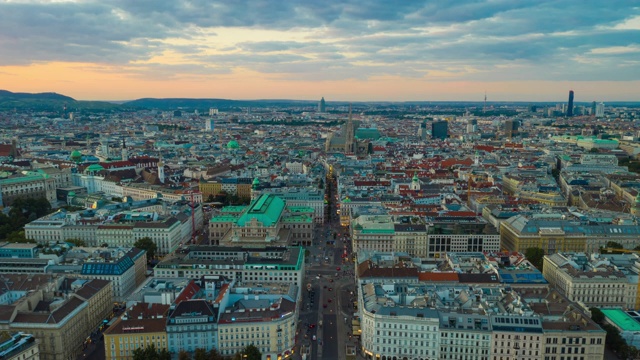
(250, 352)
(164, 354)
(183, 355)
(597, 315)
(148, 245)
(637, 248)
(614, 245)
(200, 354)
(214, 355)
(76, 242)
(594, 150)
(151, 353)
(535, 255)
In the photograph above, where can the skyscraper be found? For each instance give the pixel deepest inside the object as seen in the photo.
(208, 125)
(511, 128)
(439, 129)
(570, 104)
(472, 126)
(600, 110)
(322, 106)
(422, 131)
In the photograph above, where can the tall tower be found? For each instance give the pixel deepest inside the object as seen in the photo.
(349, 134)
(322, 106)
(125, 152)
(484, 106)
(439, 130)
(600, 110)
(422, 131)
(570, 104)
(161, 170)
(415, 183)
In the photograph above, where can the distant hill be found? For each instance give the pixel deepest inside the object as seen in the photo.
(205, 104)
(49, 102)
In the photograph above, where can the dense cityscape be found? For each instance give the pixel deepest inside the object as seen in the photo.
(272, 230)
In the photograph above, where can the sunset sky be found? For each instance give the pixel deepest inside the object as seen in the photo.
(340, 49)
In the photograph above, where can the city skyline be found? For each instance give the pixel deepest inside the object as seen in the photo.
(347, 51)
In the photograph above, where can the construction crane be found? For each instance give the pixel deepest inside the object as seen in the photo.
(193, 219)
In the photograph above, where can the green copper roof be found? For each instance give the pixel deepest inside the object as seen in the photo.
(266, 210)
(622, 319)
(223, 218)
(233, 209)
(21, 179)
(297, 219)
(94, 167)
(256, 181)
(300, 209)
(367, 133)
(232, 144)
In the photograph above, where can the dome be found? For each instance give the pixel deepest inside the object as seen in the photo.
(76, 156)
(71, 194)
(94, 168)
(232, 144)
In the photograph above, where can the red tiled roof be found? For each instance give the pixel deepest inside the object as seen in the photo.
(189, 291)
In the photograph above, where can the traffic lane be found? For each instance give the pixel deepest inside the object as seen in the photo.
(329, 337)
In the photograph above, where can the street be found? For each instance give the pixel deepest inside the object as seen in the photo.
(326, 310)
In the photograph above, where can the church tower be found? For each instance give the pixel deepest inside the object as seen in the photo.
(415, 183)
(161, 171)
(349, 134)
(476, 159)
(255, 191)
(125, 152)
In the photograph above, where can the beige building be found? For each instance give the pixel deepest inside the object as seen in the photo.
(142, 325)
(266, 222)
(31, 184)
(60, 324)
(268, 324)
(139, 191)
(591, 282)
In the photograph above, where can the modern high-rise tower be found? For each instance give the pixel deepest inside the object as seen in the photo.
(422, 131)
(322, 106)
(472, 126)
(570, 104)
(439, 130)
(511, 128)
(208, 125)
(600, 110)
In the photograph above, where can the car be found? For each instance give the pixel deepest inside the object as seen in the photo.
(338, 269)
(330, 289)
(311, 326)
(329, 300)
(325, 286)
(324, 306)
(314, 338)
(330, 280)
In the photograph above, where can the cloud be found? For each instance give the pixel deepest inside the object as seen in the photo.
(332, 39)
